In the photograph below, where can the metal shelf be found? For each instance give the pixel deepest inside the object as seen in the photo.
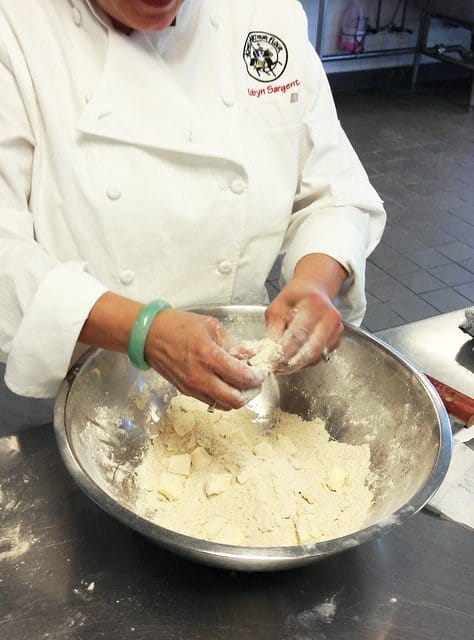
(379, 53)
(427, 13)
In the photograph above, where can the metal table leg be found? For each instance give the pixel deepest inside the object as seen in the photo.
(423, 32)
(319, 32)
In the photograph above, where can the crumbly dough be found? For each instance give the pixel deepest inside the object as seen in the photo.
(269, 355)
(230, 478)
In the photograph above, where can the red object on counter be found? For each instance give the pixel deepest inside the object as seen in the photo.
(456, 403)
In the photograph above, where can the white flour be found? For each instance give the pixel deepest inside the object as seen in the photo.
(227, 477)
(14, 542)
(15, 538)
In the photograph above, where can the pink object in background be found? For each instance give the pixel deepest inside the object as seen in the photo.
(353, 29)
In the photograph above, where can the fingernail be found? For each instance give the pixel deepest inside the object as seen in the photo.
(240, 399)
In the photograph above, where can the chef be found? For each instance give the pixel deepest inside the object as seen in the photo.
(152, 158)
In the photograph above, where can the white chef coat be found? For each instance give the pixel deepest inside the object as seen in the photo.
(163, 166)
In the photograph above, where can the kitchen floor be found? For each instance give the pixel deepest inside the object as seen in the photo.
(418, 149)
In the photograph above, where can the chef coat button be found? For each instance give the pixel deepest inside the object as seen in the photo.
(224, 267)
(127, 276)
(76, 16)
(228, 100)
(113, 192)
(238, 186)
(213, 18)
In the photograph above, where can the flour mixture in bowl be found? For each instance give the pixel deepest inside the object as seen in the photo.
(233, 479)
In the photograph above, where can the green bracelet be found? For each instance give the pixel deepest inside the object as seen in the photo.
(140, 330)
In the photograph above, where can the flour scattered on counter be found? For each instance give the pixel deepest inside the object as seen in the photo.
(305, 620)
(9, 445)
(227, 477)
(14, 543)
(6, 502)
(327, 610)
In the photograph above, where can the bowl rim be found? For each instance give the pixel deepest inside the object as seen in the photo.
(217, 553)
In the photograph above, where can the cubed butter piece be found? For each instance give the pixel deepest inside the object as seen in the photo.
(264, 450)
(287, 445)
(230, 535)
(183, 423)
(217, 483)
(169, 485)
(200, 459)
(265, 522)
(242, 476)
(212, 527)
(307, 531)
(180, 464)
(229, 463)
(336, 478)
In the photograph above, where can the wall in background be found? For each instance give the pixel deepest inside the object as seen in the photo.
(439, 33)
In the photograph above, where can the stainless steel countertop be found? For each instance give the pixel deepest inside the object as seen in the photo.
(438, 347)
(69, 571)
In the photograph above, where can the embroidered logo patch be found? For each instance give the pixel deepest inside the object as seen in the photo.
(265, 56)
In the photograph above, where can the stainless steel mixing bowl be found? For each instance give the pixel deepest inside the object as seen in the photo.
(367, 394)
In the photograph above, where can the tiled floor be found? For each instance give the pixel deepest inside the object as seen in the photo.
(418, 150)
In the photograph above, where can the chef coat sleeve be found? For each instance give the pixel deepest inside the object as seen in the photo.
(336, 211)
(44, 303)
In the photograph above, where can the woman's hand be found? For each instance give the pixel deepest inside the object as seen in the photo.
(201, 359)
(302, 318)
(194, 352)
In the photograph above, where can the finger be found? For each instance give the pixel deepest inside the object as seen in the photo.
(298, 367)
(335, 340)
(199, 384)
(214, 358)
(277, 317)
(207, 387)
(203, 382)
(297, 334)
(243, 349)
(235, 372)
(205, 399)
(299, 362)
(324, 335)
(236, 347)
(224, 394)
